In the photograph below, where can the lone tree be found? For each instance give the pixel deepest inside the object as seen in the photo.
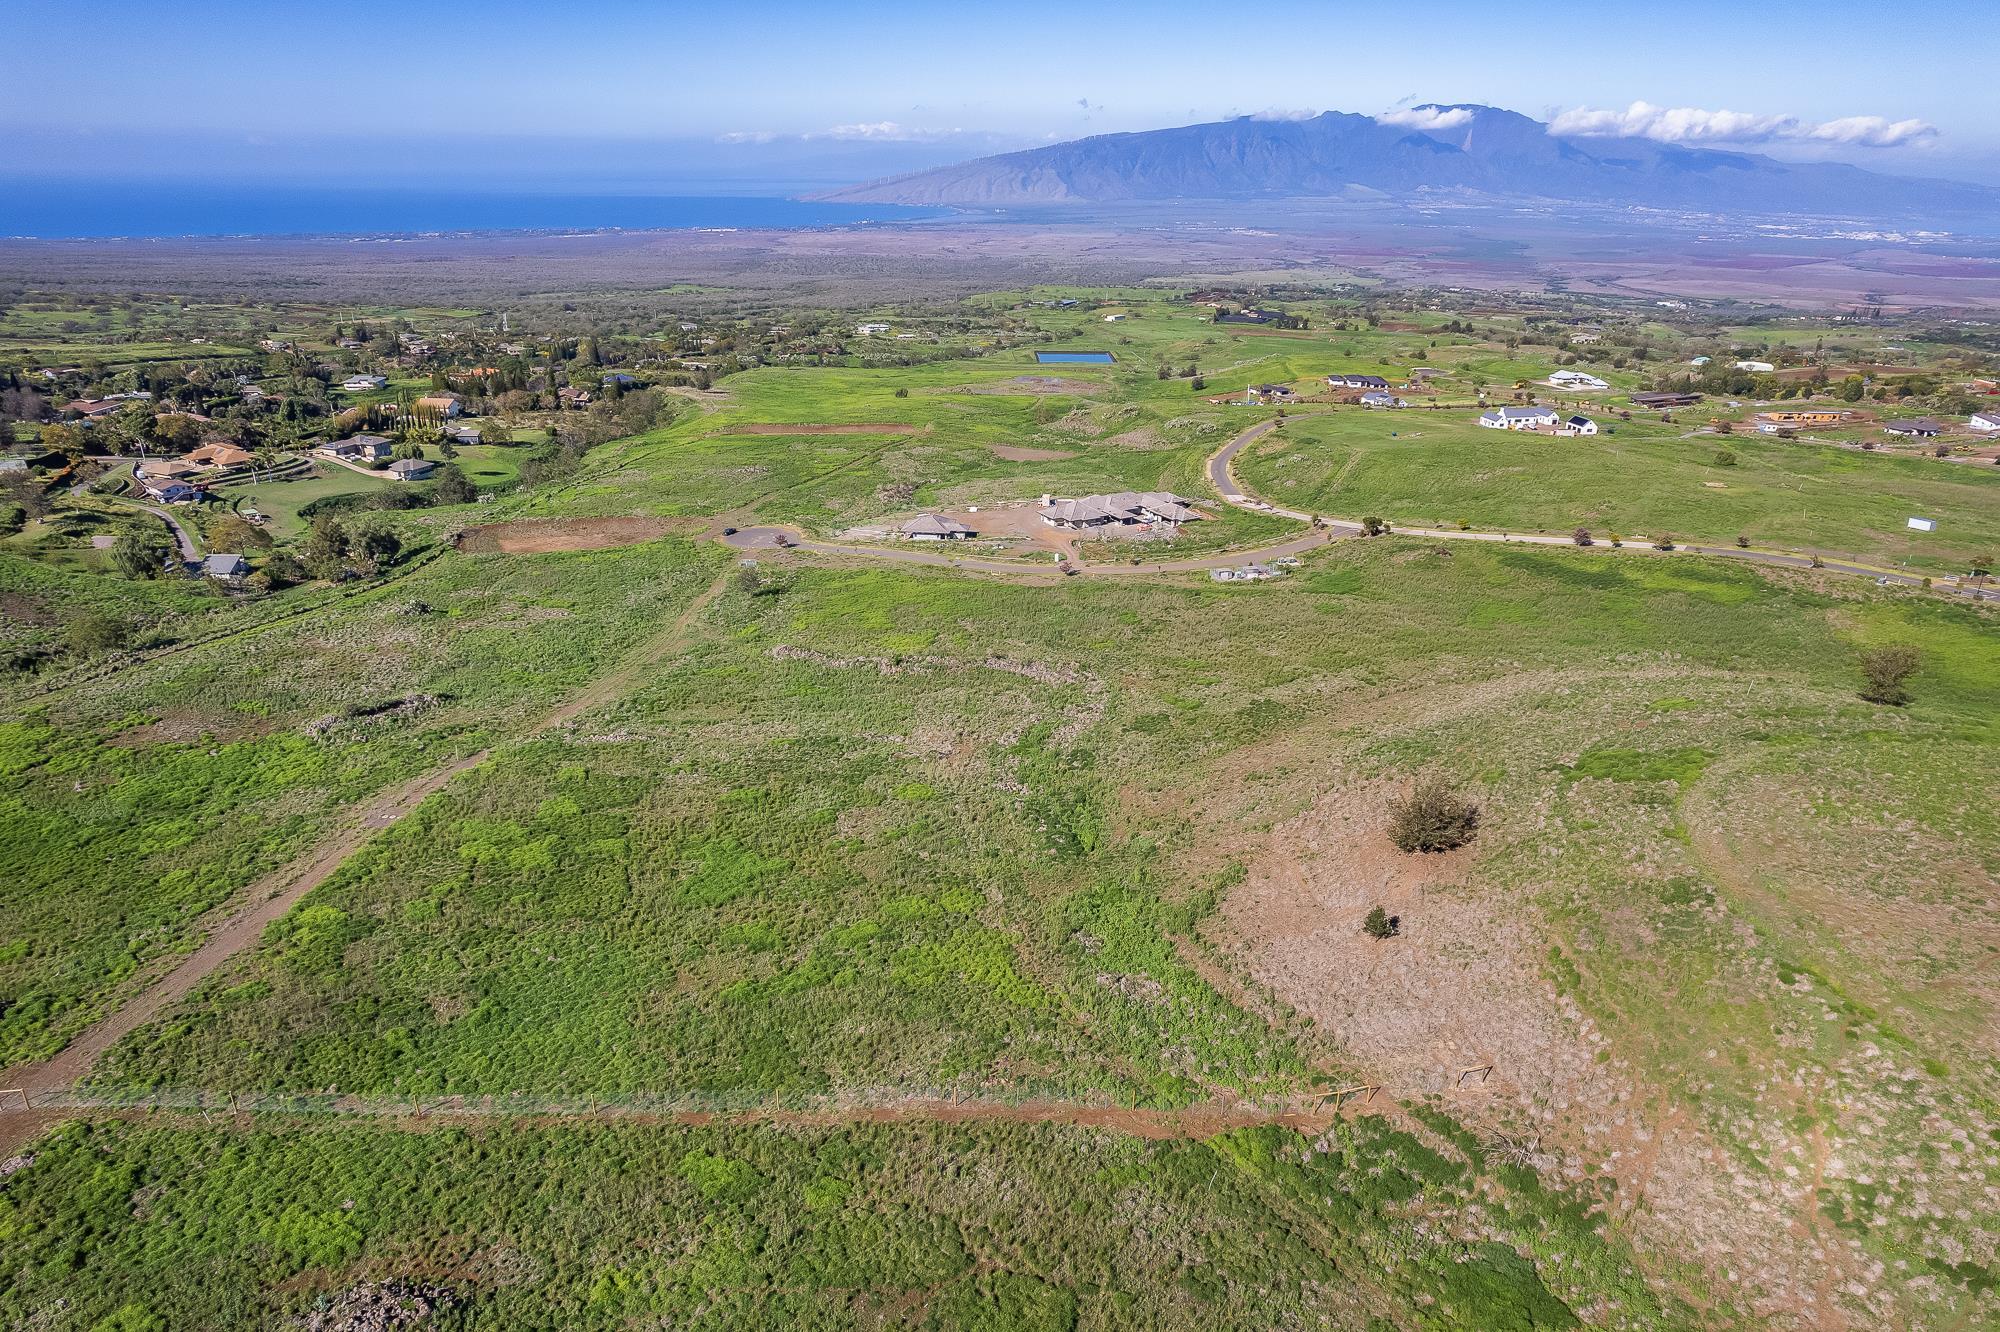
(1887, 670)
(1380, 924)
(1431, 816)
(1582, 537)
(1373, 526)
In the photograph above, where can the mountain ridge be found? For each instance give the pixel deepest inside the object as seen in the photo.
(1469, 149)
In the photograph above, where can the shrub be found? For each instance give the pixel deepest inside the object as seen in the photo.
(1725, 458)
(1431, 816)
(1617, 540)
(1373, 526)
(1887, 671)
(1664, 541)
(1582, 537)
(1742, 542)
(93, 632)
(1380, 924)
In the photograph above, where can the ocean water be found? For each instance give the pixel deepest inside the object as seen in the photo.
(62, 209)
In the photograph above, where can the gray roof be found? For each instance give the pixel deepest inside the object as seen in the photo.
(1520, 413)
(1922, 425)
(411, 466)
(1125, 506)
(224, 566)
(931, 524)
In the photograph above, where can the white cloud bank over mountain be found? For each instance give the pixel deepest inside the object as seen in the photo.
(1425, 118)
(1688, 124)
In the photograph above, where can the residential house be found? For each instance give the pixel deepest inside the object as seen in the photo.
(1700, 361)
(1986, 423)
(446, 405)
(1518, 418)
(1665, 400)
(1800, 416)
(1756, 367)
(1124, 509)
(411, 469)
(363, 383)
(1577, 379)
(92, 408)
(935, 527)
(220, 456)
(1269, 393)
(1356, 382)
(1248, 573)
(359, 448)
(1577, 425)
(871, 330)
(1921, 428)
(463, 435)
(619, 379)
(165, 469)
(225, 566)
(170, 492)
(1381, 398)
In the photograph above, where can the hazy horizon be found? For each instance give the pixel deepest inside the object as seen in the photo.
(783, 96)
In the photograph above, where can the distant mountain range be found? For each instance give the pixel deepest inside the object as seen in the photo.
(1465, 150)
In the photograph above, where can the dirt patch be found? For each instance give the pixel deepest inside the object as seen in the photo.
(20, 608)
(186, 727)
(541, 536)
(862, 428)
(1036, 386)
(1464, 986)
(1018, 453)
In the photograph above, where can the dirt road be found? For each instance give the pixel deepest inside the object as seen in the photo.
(46, 1084)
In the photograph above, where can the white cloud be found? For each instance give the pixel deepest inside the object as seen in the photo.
(1285, 113)
(1426, 118)
(1688, 124)
(882, 131)
(873, 131)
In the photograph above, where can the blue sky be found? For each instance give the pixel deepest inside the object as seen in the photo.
(618, 89)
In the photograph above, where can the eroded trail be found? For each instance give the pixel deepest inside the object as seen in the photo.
(221, 1109)
(45, 1085)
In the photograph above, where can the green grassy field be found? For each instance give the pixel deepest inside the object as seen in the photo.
(1695, 1032)
(1435, 469)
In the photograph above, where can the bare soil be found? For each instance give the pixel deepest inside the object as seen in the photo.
(863, 428)
(541, 536)
(1019, 453)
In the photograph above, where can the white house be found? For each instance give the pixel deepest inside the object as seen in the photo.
(1577, 425)
(1116, 318)
(1699, 360)
(1379, 398)
(363, 383)
(1518, 418)
(1576, 379)
(1921, 428)
(1986, 422)
(1756, 367)
(1356, 382)
(871, 330)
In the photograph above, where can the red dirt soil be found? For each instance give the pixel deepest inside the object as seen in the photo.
(541, 536)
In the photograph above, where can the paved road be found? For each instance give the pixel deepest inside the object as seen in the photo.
(183, 538)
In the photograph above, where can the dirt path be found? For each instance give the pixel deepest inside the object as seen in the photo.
(1204, 1120)
(45, 1084)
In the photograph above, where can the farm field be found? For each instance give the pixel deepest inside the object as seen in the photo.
(799, 938)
